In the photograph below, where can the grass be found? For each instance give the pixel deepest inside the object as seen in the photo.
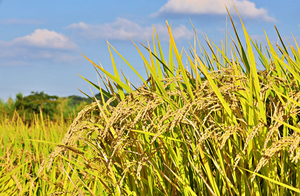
(24, 148)
(220, 128)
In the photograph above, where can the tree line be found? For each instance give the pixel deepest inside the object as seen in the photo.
(52, 106)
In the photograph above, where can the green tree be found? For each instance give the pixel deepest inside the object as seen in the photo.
(7, 108)
(35, 103)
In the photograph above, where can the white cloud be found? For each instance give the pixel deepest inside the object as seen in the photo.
(42, 44)
(247, 9)
(123, 29)
(44, 38)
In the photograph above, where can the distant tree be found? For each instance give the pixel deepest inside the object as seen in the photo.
(35, 102)
(7, 108)
(74, 100)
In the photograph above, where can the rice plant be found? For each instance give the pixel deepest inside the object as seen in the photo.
(234, 131)
(220, 128)
(23, 150)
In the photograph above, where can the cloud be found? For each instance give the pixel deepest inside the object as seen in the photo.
(42, 44)
(20, 21)
(247, 9)
(123, 29)
(44, 38)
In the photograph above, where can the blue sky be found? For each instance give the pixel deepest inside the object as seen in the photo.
(41, 41)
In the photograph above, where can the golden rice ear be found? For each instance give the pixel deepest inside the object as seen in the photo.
(233, 131)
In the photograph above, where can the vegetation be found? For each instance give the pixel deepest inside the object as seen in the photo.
(52, 106)
(234, 132)
(35, 103)
(23, 150)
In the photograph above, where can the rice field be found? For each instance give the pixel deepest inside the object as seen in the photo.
(217, 126)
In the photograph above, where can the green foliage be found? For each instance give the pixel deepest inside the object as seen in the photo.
(35, 103)
(234, 133)
(52, 107)
(7, 108)
(75, 100)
